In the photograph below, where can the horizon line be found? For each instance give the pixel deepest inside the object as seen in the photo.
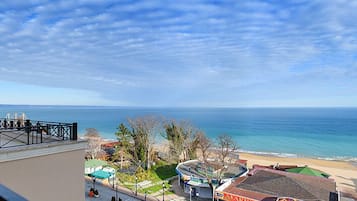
(196, 107)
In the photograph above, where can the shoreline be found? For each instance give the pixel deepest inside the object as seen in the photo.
(344, 173)
(349, 159)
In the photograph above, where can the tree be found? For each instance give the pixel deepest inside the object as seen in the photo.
(226, 145)
(182, 138)
(204, 143)
(176, 140)
(191, 144)
(144, 131)
(94, 142)
(124, 137)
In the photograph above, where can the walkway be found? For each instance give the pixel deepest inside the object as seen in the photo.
(105, 193)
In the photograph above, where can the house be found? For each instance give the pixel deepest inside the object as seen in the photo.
(269, 184)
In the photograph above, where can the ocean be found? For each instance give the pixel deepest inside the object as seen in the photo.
(328, 133)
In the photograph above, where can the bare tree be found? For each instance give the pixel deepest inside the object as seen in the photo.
(204, 143)
(144, 132)
(94, 142)
(226, 145)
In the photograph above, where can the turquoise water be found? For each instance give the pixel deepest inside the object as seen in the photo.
(315, 132)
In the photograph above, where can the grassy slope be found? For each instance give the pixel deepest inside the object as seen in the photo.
(160, 172)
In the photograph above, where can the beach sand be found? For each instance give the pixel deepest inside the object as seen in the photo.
(344, 173)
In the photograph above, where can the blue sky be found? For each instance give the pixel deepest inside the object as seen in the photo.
(179, 53)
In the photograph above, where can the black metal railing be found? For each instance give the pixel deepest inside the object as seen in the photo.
(26, 132)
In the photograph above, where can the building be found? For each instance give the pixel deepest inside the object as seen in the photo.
(194, 176)
(269, 184)
(93, 165)
(42, 160)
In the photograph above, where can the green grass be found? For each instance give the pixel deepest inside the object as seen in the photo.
(165, 171)
(155, 188)
(160, 172)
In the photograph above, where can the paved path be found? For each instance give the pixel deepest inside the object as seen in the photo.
(105, 193)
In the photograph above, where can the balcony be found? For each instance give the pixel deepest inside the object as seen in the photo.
(15, 132)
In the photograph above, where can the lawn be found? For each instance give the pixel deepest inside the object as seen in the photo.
(158, 173)
(165, 171)
(155, 188)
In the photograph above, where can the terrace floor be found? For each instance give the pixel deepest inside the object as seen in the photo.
(14, 137)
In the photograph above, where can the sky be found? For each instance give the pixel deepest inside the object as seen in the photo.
(223, 53)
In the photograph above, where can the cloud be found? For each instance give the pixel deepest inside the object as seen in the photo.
(127, 50)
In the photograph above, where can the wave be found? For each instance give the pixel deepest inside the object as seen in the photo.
(283, 155)
(290, 155)
(339, 158)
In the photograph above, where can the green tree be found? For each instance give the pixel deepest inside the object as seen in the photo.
(182, 139)
(124, 137)
(176, 140)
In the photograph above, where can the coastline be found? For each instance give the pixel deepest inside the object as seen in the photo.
(343, 172)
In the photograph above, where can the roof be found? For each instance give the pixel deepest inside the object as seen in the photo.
(200, 170)
(110, 144)
(308, 171)
(93, 163)
(100, 174)
(269, 184)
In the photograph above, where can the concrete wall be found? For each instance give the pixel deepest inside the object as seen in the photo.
(51, 177)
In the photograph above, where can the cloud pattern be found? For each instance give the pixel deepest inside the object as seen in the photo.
(185, 53)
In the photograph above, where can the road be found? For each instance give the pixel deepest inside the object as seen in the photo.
(105, 193)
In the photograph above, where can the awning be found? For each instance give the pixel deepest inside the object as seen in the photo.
(100, 174)
(308, 171)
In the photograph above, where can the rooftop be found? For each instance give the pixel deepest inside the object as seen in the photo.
(16, 132)
(265, 184)
(196, 169)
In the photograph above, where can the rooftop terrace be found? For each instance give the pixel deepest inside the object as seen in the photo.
(16, 132)
(199, 171)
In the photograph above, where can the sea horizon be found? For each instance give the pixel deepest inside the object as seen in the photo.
(315, 132)
(173, 107)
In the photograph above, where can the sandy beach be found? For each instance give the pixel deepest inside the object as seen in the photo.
(344, 173)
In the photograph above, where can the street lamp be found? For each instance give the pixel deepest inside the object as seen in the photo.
(136, 186)
(116, 190)
(213, 191)
(190, 193)
(113, 179)
(93, 183)
(163, 191)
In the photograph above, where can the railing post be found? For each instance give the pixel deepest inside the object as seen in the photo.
(28, 130)
(74, 131)
(38, 125)
(48, 130)
(18, 124)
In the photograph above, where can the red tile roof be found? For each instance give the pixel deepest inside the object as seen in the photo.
(268, 184)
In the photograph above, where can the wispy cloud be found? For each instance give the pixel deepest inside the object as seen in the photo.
(186, 53)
